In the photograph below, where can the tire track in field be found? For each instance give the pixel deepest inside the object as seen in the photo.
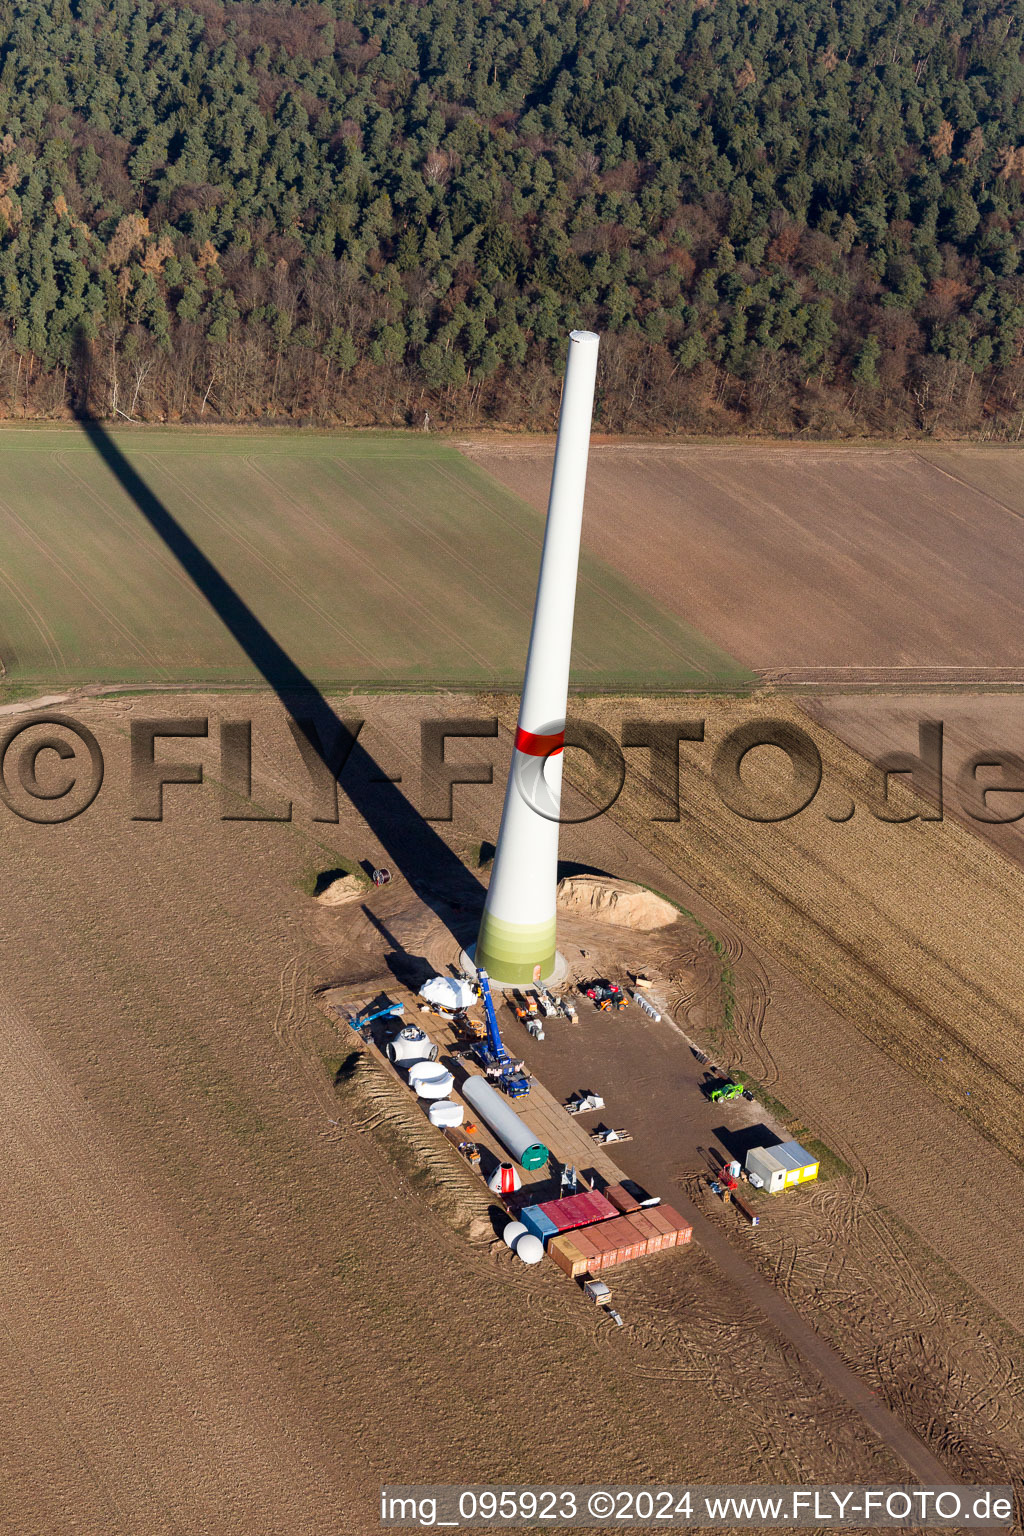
(430, 617)
(158, 550)
(46, 634)
(481, 579)
(278, 576)
(101, 608)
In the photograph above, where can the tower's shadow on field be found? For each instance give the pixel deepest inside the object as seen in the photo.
(433, 871)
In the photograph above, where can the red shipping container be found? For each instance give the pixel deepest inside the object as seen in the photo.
(578, 1210)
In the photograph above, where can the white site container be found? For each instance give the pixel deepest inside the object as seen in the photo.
(767, 1167)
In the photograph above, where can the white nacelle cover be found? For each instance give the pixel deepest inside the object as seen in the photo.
(448, 992)
(445, 1112)
(431, 1080)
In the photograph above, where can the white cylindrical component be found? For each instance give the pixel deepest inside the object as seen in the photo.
(514, 1135)
(512, 1233)
(530, 1249)
(517, 932)
(445, 1112)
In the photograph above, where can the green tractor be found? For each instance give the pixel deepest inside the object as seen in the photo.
(726, 1091)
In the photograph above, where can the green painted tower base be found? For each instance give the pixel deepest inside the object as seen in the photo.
(516, 954)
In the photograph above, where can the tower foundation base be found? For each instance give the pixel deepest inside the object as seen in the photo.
(555, 979)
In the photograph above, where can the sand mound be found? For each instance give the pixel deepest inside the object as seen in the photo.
(345, 888)
(616, 901)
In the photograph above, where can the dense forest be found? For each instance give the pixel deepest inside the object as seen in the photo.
(784, 217)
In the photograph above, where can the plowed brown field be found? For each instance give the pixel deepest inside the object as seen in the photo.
(811, 563)
(225, 1307)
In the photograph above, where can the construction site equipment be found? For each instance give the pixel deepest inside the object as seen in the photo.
(548, 1005)
(598, 1292)
(430, 1080)
(492, 1055)
(381, 877)
(647, 1006)
(748, 1095)
(629, 1196)
(746, 1210)
(606, 1135)
(583, 1103)
(537, 1222)
(581, 1210)
(528, 1014)
(391, 1011)
(615, 1316)
(605, 995)
(467, 1028)
(514, 1135)
(445, 1112)
(447, 993)
(570, 1182)
(725, 1091)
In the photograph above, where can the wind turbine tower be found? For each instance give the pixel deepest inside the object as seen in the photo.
(516, 943)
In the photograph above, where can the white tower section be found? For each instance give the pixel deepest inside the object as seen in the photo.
(517, 932)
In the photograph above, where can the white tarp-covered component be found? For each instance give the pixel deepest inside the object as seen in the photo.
(529, 1248)
(431, 1080)
(445, 1112)
(448, 992)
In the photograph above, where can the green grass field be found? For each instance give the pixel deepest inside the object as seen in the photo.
(374, 560)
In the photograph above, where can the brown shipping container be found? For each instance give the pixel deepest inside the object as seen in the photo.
(683, 1229)
(649, 1233)
(661, 1223)
(567, 1256)
(602, 1245)
(582, 1240)
(620, 1197)
(626, 1240)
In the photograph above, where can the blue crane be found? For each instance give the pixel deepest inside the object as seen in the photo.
(392, 1010)
(493, 1056)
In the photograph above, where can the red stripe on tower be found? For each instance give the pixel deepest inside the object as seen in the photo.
(539, 746)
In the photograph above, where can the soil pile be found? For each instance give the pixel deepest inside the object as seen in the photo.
(616, 901)
(344, 888)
